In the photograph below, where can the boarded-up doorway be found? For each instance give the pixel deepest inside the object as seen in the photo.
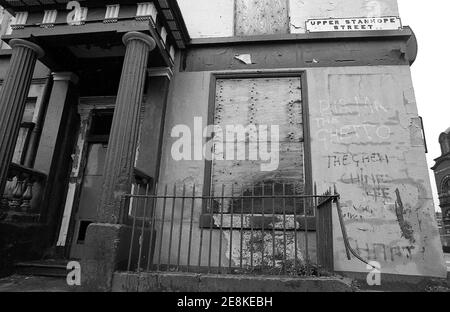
(97, 146)
(262, 17)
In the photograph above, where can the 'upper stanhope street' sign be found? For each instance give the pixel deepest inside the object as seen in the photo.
(353, 24)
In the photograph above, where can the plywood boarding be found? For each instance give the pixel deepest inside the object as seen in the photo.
(261, 17)
(245, 178)
(248, 172)
(259, 102)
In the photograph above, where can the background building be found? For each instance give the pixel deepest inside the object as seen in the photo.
(442, 173)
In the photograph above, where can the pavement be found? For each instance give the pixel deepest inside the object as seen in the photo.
(21, 283)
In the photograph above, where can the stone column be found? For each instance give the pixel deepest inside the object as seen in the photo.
(123, 139)
(107, 241)
(55, 120)
(57, 142)
(13, 98)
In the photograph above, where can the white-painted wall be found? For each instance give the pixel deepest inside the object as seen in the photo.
(358, 112)
(208, 18)
(215, 18)
(301, 11)
(366, 141)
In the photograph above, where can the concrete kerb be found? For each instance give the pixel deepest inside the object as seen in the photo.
(185, 282)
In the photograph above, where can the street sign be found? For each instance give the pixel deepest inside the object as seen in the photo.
(353, 24)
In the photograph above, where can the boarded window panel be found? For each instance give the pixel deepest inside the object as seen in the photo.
(259, 101)
(246, 177)
(232, 100)
(278, 101)
(261, 17)
(290, 169)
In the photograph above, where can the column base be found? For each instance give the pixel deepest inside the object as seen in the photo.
(106, 251)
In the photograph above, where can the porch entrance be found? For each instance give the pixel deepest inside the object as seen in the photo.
(97, 146)
(87, 176)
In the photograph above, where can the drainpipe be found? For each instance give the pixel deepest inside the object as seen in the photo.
(37, 130)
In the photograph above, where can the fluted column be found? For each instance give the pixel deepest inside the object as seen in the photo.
(123, 139)
(13, 98)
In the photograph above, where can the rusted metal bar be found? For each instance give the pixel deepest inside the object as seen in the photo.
(171, 226)
(221, 229)
(242, 228)
(130, 254)
(262, 227)
(252, 242)
(273, 227)
(319, 239)
(141, 238)
(190, 229)
(284, 230)
(348, 248)
(230, 197)
(211, 224)
(152, 228)
(295, 231)
(343, 229)
(163, 217)
(305, 210)
(201, 241)
(231, 229)
(181, 227)
(316, 204)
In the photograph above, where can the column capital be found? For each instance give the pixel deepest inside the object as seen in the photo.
(65, 76)
(135, 35)
(27, 44)
(160, 72)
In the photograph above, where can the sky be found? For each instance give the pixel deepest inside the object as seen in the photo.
(429, 21)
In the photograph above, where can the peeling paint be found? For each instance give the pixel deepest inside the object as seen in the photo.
(407, 231)
(244, 58)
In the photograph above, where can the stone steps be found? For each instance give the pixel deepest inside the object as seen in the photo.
(47, 268)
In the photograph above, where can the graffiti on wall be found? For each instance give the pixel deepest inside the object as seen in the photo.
(385, 252)
(366, 137)
(343, 121)
(358, 160)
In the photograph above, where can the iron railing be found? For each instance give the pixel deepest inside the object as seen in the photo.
(257, 229)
